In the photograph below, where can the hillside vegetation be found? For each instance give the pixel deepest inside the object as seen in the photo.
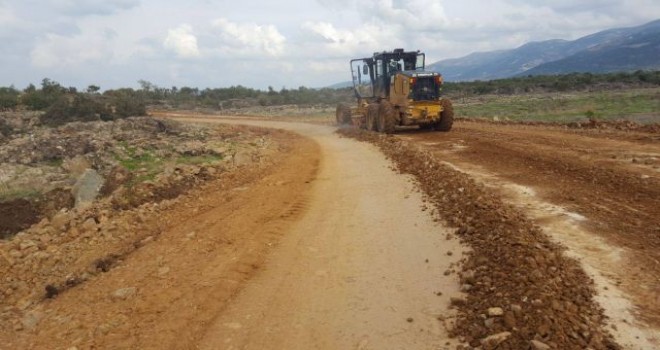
(554, 97)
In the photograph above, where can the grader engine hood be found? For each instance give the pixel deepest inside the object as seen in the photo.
(424, 86)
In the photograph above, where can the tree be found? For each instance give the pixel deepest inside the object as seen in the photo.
(146, 86)
(92, 89)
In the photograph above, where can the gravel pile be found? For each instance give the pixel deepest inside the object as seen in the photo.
(522, 292)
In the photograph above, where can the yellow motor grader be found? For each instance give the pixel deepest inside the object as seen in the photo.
(393, 89)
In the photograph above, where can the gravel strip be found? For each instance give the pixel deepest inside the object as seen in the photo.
(522, 292)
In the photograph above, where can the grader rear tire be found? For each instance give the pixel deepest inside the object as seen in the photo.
(343, 114)
(386, 117)
(446, 116)
(372, 115)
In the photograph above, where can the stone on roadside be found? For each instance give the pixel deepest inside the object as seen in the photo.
(495, 311)
(90, 225)
(31, 320)
(124, 293)
(60, 220)
(27, 244)
(87, 188)
(492, 341)
(537, 345)
(457, 301)
(509, 319)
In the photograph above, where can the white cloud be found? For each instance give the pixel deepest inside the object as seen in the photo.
(93, 7)
(56, 51)
(248, 38)
(8, 18)
(325, 39)
(329, 66)
(182, 41)
(414, 15)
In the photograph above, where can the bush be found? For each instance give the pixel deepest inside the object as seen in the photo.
(37, 100)
(8, 98)
(44, 98)
(5, 128)
(128, 105)
(79, 108)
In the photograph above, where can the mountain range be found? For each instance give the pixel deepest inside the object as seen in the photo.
(621, 49)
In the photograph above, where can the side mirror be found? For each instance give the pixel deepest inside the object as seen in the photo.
(365, 69)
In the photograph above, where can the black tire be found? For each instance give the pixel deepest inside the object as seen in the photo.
(386, 117)
(372, 116)
(343, 114)
(446, 116)
(427, 126)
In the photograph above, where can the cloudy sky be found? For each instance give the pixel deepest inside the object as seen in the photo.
(283, 43)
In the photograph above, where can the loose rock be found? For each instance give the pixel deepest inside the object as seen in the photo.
(537, 345)
(124, 293)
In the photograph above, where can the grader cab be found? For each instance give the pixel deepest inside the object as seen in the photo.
(394, 89)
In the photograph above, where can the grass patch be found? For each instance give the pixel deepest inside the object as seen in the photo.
(144, 161)
(563, 107)
(7, 194)
(203, 159)
(133, 161)
(54, 162)
(145, 165)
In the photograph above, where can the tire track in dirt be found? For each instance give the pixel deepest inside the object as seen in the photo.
(364, 268)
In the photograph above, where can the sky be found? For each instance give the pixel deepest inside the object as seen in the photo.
(283, 43)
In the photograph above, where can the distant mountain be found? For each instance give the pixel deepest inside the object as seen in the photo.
(622, 49)
(341, 85)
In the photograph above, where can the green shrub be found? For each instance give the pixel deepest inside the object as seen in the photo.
(79, 108)
(37, 100)
(5, 129)
(128, 105)
(8, 98)
(42, 99)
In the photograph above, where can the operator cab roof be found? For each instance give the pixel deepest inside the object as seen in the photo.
(419, 73)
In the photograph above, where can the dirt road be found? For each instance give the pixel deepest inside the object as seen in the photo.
(329, 249)
(360, 270)
(595, 191)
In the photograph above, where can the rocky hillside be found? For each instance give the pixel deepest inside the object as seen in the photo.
(45, 170)
(622, 49)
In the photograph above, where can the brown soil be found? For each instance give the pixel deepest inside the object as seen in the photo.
(618, 125)
(544, 295)
(163, 287)
(19, 214)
